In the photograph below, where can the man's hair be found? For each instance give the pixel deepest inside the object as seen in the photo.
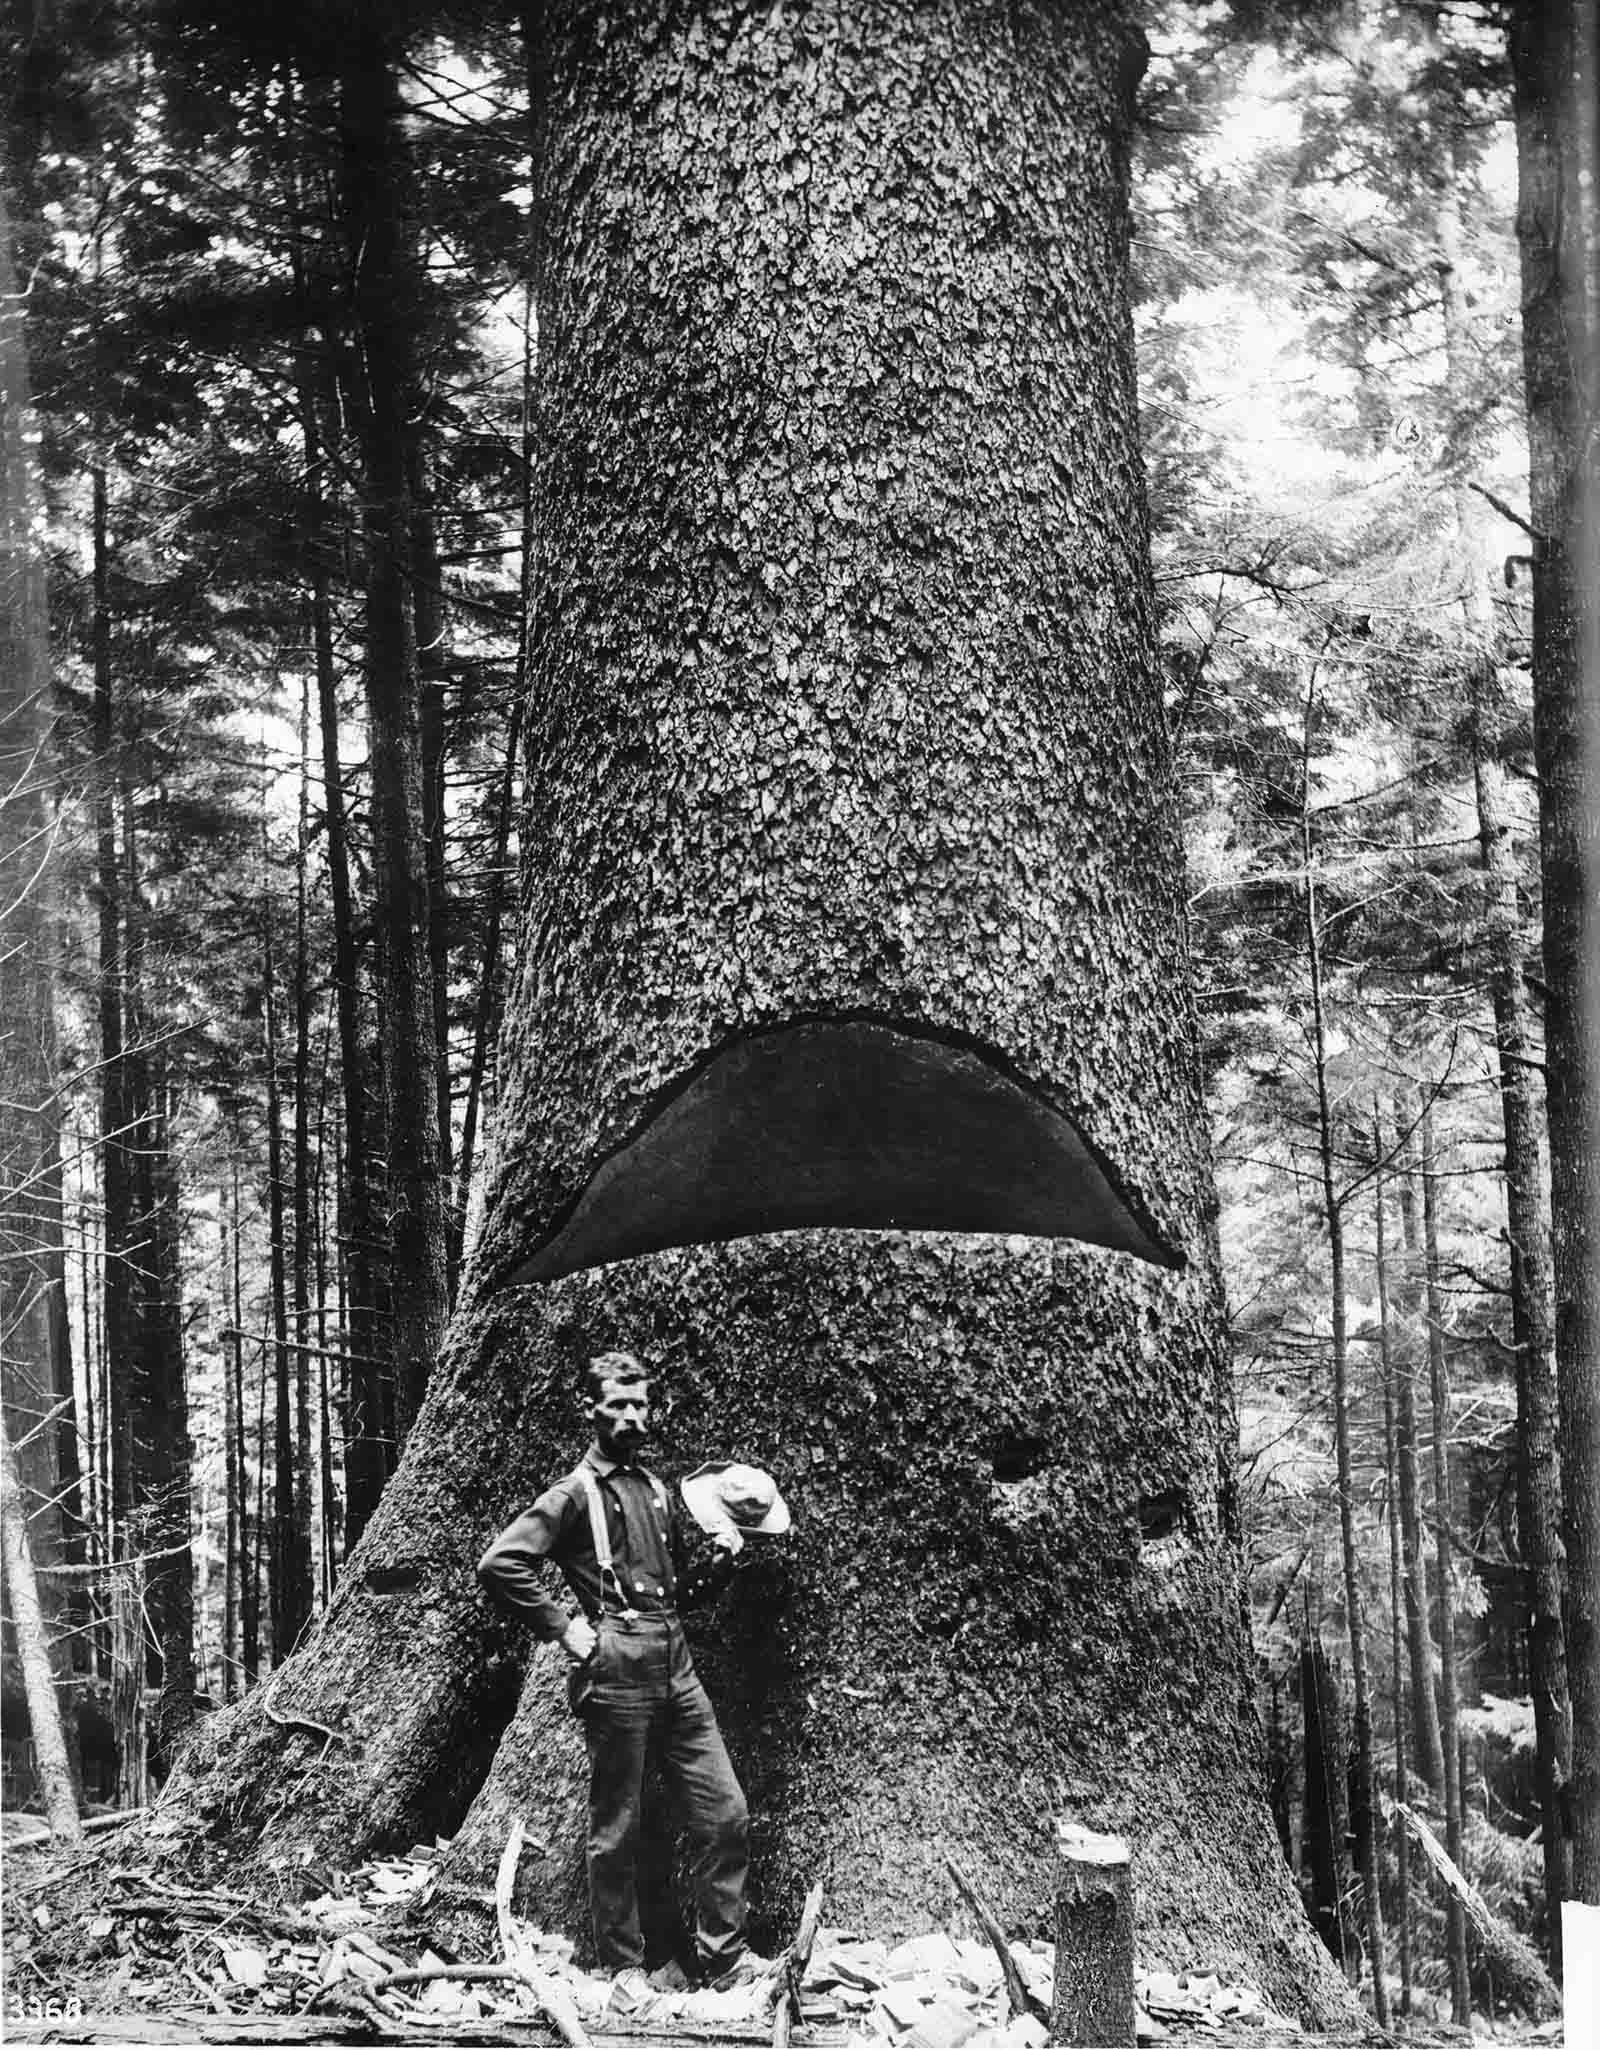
(612, 1366)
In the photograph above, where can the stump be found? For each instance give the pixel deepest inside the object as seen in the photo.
(1093, 2001)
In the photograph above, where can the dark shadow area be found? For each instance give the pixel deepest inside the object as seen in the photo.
(849, 1123)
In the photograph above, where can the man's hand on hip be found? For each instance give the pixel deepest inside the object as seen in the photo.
(578, 1639)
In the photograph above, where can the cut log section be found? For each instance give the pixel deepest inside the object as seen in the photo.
(1094, 1939)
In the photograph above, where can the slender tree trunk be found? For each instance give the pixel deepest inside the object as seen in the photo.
(288, 1577)
(227, 1268)
(304, 1249)
(1429, 1758)
(33, 1655)
(1532, 1309)
(1326, 1827)
(327, 1494)
(429, 627)
(386, 287)
(1449, 1697)
(367, 1453)
(1365, 1817)
(491, 976)
(39, 1406)
(249, 1577)
(486, 1018)
(158, 1393)
(1396, 1557)
(116, 1176)
(1554, 72)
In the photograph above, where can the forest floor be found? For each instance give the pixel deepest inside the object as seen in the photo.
(99, 1949)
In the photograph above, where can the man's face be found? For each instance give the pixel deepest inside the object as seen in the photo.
(622, 1417)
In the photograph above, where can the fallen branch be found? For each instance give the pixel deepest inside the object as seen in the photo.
(1022, 2001)
(166, 1899)
(551, 1997)
(787, 2012)
(1518, 1975)
(417, 1975)
(91, 1825)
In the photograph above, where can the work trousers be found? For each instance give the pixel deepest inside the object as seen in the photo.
(637, 1691)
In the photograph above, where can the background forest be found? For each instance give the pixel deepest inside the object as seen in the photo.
(261, 786)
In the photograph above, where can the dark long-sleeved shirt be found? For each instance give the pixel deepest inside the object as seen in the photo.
(647, 1551)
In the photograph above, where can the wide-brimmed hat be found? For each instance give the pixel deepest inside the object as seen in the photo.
(726, 1491)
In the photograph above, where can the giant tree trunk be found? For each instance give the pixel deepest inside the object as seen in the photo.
(1554, 66)
(853, 896)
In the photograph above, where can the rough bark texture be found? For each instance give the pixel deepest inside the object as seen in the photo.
(1554, 71)
(1093, 1995)
(844, 706)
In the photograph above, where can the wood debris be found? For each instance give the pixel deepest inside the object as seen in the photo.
(161, 1961)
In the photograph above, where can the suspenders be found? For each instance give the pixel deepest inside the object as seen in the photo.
(600, 1533)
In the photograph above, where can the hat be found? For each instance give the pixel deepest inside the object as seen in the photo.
(724, 1492)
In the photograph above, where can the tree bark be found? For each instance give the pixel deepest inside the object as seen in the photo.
(1094, 1919)
(1419, 1636)
(1532, 1309)
(846, 744)
(38, 1406)
(1449, 1696)
(228, 1263)
(289, 1563)
(385, 299)
(430, 628)
(300, 1273)
(1556, 83)
(33, 1654)
(1396, 1554)
(158, 1382)
(1326, 1828)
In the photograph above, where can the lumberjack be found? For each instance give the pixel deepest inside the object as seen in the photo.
(611, 1528)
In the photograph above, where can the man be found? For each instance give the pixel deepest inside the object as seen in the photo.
(611, 1529)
